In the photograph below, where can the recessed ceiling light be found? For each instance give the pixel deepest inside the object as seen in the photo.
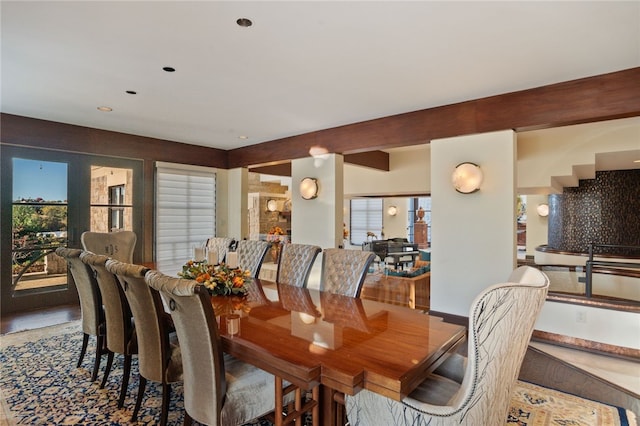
(244, 22)
(105, 109)
(132, 92)
(243, 137)
(636, 161)
(169, 69)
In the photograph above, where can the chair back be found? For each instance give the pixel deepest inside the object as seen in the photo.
(501, 321)
(203, 364)
(344, 271)
(251, 254)
(117, 245)
(88, 291)
(220, 245)
(154, 349)
(120, 330)
(295, 263)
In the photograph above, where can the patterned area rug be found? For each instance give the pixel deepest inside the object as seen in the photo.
(533, 405)
(41, 386)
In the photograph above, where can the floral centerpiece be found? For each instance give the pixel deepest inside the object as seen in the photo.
(218, 279)
(277, 237)
(276, 234)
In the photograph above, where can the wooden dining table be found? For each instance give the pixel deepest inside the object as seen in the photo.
(340, 343)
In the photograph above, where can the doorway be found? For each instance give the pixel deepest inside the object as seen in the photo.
(48, 199)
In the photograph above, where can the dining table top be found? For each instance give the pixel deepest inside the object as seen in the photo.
(310, 337)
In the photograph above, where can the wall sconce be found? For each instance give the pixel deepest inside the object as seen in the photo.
(392, 210)
(309, 188)
(272, 205)
(543, 210)
(466, 178)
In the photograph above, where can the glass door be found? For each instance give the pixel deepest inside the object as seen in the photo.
(48, 199)
(39, 225)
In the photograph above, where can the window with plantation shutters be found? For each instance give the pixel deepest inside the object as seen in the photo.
(366, 216)
(185, 213)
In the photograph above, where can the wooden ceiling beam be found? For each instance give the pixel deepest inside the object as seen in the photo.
(598, 98)
(378, 160)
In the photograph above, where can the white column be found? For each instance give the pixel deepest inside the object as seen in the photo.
(318, 221)
(237, 203)
(473, 235)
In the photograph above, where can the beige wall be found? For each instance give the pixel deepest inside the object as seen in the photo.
(408, 174)
(537, 226)
(551, 158)
(474, 235)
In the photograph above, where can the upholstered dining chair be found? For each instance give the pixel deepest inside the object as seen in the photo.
(501, 320)
(295, 263)
(120, 329)
(220, 245)
(251, 254)
(92, 313)
(218, 388)
(344, 271)
(159, 356)
(117, 245)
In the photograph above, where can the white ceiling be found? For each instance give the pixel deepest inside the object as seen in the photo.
(302, 66)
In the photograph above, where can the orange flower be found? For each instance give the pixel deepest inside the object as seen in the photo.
(219, 279)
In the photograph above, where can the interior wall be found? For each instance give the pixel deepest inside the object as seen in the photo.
(564, 151)
(407, 175)
(318, 221)
(606, 326)
(395, 226)
(537, 225)
(237, 203)
(222, 201)
(473, 235)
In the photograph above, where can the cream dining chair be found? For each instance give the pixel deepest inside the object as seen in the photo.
(120, 329)
(159, 356)
(295, 263)
(344, 271)
(117, 245)
(220, 245)
(501, 320)
(251, 254)
(92, 312)
(218, 388)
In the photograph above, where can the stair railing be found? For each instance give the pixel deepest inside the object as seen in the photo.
(620, 268)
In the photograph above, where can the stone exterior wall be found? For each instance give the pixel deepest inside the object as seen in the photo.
(101, 180)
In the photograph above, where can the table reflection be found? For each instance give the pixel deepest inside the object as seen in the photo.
(322, 319)
(227, 305)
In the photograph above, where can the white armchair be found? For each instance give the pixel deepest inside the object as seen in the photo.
(501, 321)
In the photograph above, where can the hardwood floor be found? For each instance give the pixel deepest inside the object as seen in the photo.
(11, 323)
(539, 366)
